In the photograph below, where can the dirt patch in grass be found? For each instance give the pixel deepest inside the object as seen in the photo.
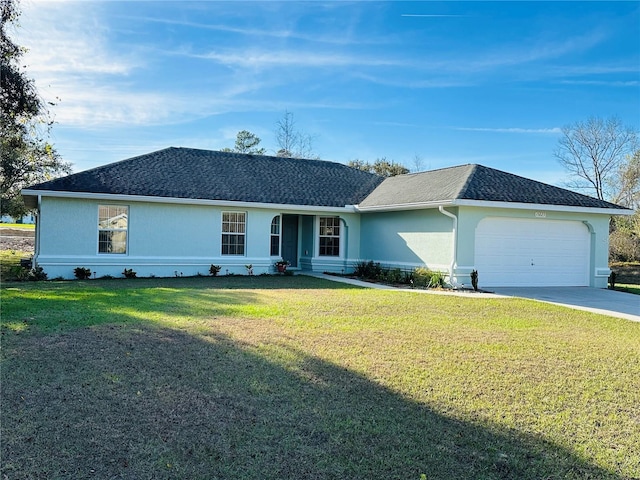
(17, 239)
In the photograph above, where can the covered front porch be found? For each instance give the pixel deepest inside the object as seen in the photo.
(318, 243)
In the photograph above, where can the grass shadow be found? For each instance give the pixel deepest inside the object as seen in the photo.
(145, 401)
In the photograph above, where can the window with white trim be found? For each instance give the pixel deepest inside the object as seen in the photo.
(275, 236)
(233, 233)
(329, 237)
(113, 228)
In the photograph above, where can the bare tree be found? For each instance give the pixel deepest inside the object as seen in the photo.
(418, 163)
(292, 142)
(626, 182)
(593, 151)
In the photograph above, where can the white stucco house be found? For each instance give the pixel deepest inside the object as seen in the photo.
(182, 210)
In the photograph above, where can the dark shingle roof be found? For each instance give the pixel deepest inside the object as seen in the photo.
(212, 175)
(474, 182)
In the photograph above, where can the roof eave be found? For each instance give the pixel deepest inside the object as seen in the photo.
(26, 193)
(542, 206)
(404, 206)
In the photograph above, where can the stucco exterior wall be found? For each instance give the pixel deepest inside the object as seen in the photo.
(175, 239)
(408, 239)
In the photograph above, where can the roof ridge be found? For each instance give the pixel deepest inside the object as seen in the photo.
(272, 157)
(470, 175)
(424, 172)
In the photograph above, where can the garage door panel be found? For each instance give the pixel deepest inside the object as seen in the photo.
(523, 252)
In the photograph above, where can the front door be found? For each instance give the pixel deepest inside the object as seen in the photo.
(290, 239)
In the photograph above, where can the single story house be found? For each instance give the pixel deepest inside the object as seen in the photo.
(178, 211)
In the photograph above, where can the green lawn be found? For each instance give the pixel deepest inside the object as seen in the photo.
(295, 377)
(26, 226)
(9, 260)
(629, 288)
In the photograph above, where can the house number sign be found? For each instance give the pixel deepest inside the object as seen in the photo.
(541, 214)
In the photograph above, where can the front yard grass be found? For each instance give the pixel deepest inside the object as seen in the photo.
(9, 259)
(629, 288)
(296, 377)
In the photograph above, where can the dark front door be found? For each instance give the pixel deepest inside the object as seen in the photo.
(290, 239)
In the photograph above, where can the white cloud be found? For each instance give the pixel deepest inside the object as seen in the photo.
(603, 83)
(272, 59)
(69, 58)
(69, 38)
(553, 130)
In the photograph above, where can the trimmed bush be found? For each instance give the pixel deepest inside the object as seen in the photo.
(82, 273)
(129, 273)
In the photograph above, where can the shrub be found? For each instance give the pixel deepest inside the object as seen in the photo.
(37, 274)
(129, 273)
(436, 280)
(474, 280)
(368, 270)
(82, 273)
(214, 270)
(394, 276)
(23, 274)
(423, 277)
(624, 246)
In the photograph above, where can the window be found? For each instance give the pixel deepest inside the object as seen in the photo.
(233, 232)
(113, 225)
(275, 236)
(329, 236)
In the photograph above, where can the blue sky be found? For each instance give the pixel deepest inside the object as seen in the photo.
(451, 82)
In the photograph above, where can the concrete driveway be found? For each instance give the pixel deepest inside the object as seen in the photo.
(598, 300)
(606, 302)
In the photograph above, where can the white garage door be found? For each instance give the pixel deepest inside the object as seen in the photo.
(536, 252)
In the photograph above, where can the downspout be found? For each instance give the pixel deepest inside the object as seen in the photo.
(36, 249)
(346, 242)
(455, 243)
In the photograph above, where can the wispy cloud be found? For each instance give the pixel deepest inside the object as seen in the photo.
(69, 38)
(286, 33)
(300, 58)
(421, 15)
(537, 131)
(603, 83)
